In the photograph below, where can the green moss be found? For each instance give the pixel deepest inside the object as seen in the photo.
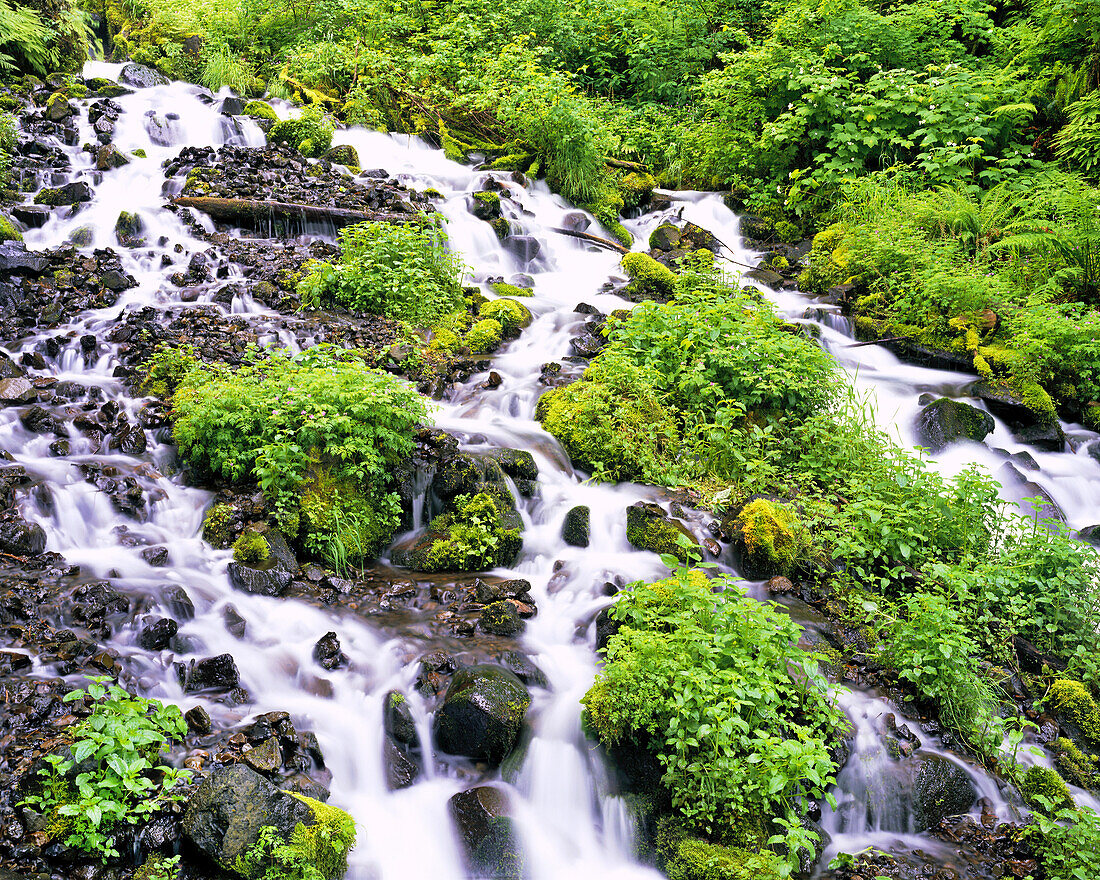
(317, 850)
(484, 336)
(260, 110)
(774, 539)
(215, 527)
(1072, 701)
(1092, 417)
(472, 537)
(501, 227)
(166, 369)
(635, 188)
(828, 260)
(685, 857)
(250, 548)
(139, 152)
(489, 199)
(338, 520)
(445, 340)
(648, 278)
(512, 315)
(502, 289)
(1074, 765)
(8, 232)
(1044, 782)
(657, 534)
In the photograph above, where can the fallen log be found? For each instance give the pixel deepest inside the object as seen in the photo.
(593, 239)
(253, 214)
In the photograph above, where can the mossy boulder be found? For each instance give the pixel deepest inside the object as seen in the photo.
(260, 110)
(344, 154)
(770, 539)
(575, 529)
(1076, 708)
(482, 817)
(485, 205)
(69, 194)
(649, 280)
(263, 562)
(665, 237)
(227, 811)
(683, 856)
(467, 474)
(635, 188)
(217, 524)
(311, 133)
(501, 288)
(1074, 765)
(58, 107)
(128, 229)
(485, 336)
(8, 232)
(1045, 783)
(648, 527)
(501, 619)
(482, 713)
(828, 260)
(250, 548)
(946, 421)
(512, 315)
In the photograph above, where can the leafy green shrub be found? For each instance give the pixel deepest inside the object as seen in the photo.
(311, 133)
(166, 368)
(402, 271)
(930, 647)
(1078, 141)
(474, 539)
(739, 716)
(314, 852)
(112, 776)
(318, 419)
(8, 140)
(1066, 842)
(613, 422)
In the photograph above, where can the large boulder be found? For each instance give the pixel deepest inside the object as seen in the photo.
(19, 537)
(271, 575)
(141, 77)
(942, 788)
(1037, 429)
(482, 713)
(226, 812)
(648, 527)
(945, 421)
(575, 530)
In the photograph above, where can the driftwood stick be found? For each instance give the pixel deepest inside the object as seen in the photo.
(878, 341)
(593, 239)
(251, 213)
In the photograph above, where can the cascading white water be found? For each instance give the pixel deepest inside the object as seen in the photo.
(570, 821)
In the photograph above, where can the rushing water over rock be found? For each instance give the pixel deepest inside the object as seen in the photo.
(563, 796)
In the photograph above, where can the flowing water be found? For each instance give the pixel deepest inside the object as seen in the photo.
(571, 822)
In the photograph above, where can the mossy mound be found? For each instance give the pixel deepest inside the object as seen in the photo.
(1074, 765)
(828, 260)
(260, 110)
(1072, 703)
(8, 232)
(511, 315)
(649, 528)
(685, 857)
(771, 539)
(500, 288)
(648, 278)
(485, 336)
(635, 188)
(215, 527)
(1046, 783)
(250, 548)
(470, 537)
(311, 133)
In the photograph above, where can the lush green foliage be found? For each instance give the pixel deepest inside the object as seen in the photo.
(400, 271)
(41, 38)
(112, 775)
(310, 133)
(314, 852)
(474, 538)
(7, 144)
(737, 714)
(320, 432)
(1067, 842)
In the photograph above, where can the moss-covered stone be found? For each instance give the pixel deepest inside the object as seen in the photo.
(1073, 703)
(338, 520)
(828, 260)
(485, 205)
(344, 154)
(1044, 782)
(445, 340)
(8, 232)
(471, 537)
(485, 336)
(501, 619)
(326, 843)
(575, 529)
(250, 548)
(635, 188)
(512, 315)
(260, 110)
(683, 856)
(215, 527)
(944, 421)
(311, 134)
(649, 528)
(500, 288)
(482, 713)
(771, 539)
(1075, 766)
(648, 278)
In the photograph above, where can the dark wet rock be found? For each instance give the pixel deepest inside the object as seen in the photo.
(482, 713)
(157, 557)
(575, 221)
(109, 156)
(302, 784)
(523, 668)
(401, 770)
(39, 421)
(156, 633)
(397, 719)
(229, 808)
(490, 842)
(516, 463)
(524, 247)
(487, 592)
(269, 582)
(575, 530)
(500, 619)
(19, 537)
(941, 788)
(327, 652)
(266, 758)
(1090, 535)
(1050, 437)
(587, 345)
(31, 216)
(141, 77)
(648, 527)
(178, 602)
(92, 604)
(945, 421)
(1025, 424)
(14, 391)
(15, 258)
(342, 154)
(128, 229)
(232, 106)
(211, 673)
(69, 194)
